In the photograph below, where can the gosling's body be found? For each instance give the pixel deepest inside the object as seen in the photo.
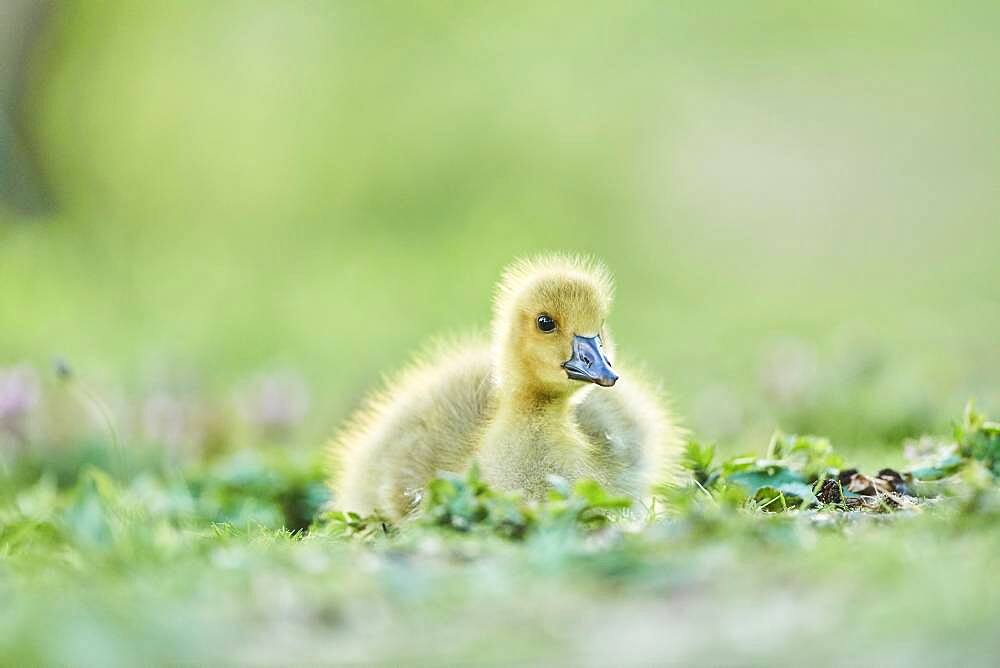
(501, 405)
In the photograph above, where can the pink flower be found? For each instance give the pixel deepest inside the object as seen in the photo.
(19, 394)
(276, 402)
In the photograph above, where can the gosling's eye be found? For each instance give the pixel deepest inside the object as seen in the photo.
(545, 322)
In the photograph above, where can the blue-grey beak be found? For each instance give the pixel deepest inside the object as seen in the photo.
(589, 363)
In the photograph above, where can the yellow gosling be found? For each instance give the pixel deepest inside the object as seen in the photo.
(541, 398)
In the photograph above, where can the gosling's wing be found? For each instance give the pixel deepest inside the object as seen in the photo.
(634, 432)
(424, 421)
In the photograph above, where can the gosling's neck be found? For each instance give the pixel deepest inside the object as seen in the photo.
(528, 400)
(533, 436)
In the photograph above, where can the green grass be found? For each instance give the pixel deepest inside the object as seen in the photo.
(165, 566)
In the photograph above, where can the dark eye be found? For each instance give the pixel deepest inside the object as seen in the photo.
(545, 322)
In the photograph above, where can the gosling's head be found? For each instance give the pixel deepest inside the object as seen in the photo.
(549, 325)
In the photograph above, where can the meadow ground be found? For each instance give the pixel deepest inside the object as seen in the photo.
(123, 562)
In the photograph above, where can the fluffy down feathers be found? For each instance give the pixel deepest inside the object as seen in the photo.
(509, 405)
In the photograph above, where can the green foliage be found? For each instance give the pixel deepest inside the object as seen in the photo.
(769, 483)
(262, 487)
(811, 455)
(699, 459)
(466, 503)
(804, 471)
(785, 475)
(352, 525)
(945, 466)
(98, 513)
(979, 439)
(790, 468)
(976, 442)
(96, 553)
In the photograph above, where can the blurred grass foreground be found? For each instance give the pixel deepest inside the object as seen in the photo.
(221, 223)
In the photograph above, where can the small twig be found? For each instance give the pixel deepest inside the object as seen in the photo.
(65, 373)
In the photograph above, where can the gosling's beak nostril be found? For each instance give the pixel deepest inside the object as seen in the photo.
(588, 362)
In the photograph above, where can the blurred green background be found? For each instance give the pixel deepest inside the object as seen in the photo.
(221, 224)
(799, 201)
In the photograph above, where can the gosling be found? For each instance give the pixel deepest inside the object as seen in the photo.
(542, 398)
